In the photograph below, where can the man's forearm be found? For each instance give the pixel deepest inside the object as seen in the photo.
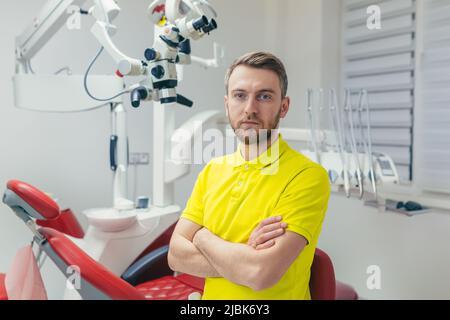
(244, 265)
(234, 261)
(185, 257)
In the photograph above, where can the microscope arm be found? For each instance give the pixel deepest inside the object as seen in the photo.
(53, 17)
(215, 62)
(126, 66)
(45, 24)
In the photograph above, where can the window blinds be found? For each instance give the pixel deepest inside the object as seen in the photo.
(382, 61)
(435, 114)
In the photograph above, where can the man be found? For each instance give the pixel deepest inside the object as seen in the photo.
(254, 217)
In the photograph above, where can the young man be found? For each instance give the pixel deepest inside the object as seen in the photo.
(254, 217)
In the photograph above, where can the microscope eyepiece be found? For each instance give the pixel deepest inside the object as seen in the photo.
(200, 23)
(210, 27)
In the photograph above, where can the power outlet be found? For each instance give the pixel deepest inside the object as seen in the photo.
(139, 158)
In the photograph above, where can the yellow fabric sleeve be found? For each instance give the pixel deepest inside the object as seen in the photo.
(194, 207)
(304, 202)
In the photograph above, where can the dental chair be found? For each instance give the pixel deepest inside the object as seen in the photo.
(96, 281)
(323, 285)
(149, 278)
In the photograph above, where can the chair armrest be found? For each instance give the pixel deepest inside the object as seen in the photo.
(152, 266)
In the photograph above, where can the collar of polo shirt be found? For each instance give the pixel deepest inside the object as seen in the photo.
(265, 159)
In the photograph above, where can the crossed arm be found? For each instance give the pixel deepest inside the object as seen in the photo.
(259, 264)
(183, 254)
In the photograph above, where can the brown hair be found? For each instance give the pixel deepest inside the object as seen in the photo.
(261, 60)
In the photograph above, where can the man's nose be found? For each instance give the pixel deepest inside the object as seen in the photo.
(251, 106)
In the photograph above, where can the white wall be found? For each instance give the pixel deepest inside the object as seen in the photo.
(68, 154)
(411, 252)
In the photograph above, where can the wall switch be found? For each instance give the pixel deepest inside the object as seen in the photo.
(139, 158)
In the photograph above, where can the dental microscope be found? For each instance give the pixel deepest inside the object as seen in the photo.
(172, 46)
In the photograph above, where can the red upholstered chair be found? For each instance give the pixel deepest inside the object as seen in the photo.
(3, 294)
(323, 285)
(345, 292)
(97, 282)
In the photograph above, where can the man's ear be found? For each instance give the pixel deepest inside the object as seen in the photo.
(285, 103)
(225, 100)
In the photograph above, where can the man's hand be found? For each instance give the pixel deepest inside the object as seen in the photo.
(264, 234)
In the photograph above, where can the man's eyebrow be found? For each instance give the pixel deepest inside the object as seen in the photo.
(259, 91)
(266, 90)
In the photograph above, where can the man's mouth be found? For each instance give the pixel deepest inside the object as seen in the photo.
(250, 122)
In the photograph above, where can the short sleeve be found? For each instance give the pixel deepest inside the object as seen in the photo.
(304, 202)
(194, 207)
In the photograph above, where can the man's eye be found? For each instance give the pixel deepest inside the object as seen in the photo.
(265, 97)
(239, 95)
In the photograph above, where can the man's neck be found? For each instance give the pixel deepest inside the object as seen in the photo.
(252, 151)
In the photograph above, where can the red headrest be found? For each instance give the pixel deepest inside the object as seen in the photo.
(38, 200)
(322, 284)
(90, 270)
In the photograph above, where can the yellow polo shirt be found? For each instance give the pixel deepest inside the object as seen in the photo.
(232, 196)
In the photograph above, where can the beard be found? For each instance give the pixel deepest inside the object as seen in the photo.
(255, 135)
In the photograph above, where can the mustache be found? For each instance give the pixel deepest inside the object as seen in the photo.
(249, 120)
